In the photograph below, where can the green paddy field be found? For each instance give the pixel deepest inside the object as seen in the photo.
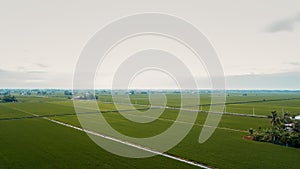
(28, 140)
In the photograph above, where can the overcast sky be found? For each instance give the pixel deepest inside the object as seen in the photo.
(40, 41)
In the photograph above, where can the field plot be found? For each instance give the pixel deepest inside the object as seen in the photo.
(36, 142)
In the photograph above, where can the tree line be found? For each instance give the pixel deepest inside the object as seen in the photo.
(8, 99)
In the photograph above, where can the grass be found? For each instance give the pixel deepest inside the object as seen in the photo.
(38, 143)
(227, 149)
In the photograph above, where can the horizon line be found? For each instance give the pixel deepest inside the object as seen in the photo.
(151, 89)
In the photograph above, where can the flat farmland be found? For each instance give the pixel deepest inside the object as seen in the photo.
(30, 141)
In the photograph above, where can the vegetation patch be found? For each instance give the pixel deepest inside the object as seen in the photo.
(8, 99)
(284, 131)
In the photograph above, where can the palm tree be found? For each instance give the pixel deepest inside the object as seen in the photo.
(275, 121)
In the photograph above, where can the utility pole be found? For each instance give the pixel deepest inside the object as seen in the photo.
(253, 111)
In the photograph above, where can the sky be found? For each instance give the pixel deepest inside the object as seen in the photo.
(257, 42)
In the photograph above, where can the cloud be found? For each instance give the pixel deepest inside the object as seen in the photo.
(41, 65)
(294, 63)
(287, 80)
(20, 79)
(34, 79)
(35, 72)
(287, 24)
(32, 68)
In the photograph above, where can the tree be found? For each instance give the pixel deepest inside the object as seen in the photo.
(67, 92)
(284, 131)
(9, 98)
(275, 121)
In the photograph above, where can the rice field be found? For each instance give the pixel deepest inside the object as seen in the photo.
(28, 140)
